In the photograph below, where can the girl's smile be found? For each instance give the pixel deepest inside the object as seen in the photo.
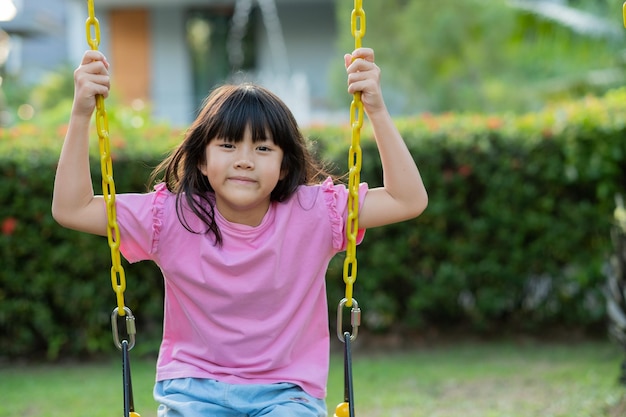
(242, 180)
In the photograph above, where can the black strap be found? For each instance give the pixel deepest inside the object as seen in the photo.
(129, 404)
(348, 395)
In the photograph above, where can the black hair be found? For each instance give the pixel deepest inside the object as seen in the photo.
(227, 112)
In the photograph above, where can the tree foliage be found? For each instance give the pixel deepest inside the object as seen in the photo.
(477, 55)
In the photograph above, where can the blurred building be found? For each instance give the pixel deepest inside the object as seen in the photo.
(172, 53)
(38, 37)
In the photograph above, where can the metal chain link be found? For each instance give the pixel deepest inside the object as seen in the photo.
(118, 278)
(346, 408)
(354, 163)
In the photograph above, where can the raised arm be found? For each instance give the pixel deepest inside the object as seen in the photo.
(73, 203)
(403, 195)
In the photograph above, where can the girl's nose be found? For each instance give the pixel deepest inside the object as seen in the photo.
(244, 158)
(244, 162)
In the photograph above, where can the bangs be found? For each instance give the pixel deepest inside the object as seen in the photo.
(247, 105)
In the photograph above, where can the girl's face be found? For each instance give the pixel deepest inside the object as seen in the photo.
(243, 175)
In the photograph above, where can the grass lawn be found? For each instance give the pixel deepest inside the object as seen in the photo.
(499, 379)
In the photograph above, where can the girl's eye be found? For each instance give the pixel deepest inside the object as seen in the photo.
(264, 148)
(227, 145)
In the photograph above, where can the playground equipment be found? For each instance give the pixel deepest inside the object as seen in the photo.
(346, 408)
(616, 281)
(616, 274)
(125, 341)
(118, 277)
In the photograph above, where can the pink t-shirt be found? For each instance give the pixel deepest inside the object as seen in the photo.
(254, 309)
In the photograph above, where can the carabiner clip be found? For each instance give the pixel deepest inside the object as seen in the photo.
(131, 330)
(355, 319)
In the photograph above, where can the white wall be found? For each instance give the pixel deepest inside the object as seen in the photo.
(310, 36)
(172, 84)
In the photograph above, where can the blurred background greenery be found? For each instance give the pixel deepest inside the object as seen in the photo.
(497, 55)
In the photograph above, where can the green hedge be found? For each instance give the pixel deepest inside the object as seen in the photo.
(517, 228)
(514, 238)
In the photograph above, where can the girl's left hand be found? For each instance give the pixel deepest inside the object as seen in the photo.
(364, 76)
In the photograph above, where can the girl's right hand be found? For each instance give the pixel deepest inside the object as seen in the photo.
(90, 79)
(364, 76)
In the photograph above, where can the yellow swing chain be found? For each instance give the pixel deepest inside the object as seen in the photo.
(118, 277)
(354, 178)
(346, 408)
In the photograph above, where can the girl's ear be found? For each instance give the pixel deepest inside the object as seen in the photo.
(202, 167)
(283, 173)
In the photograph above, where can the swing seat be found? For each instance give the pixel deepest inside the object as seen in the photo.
(342, 410)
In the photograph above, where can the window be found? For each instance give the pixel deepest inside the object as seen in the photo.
(208, 32)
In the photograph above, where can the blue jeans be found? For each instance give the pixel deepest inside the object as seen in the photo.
(191, 397)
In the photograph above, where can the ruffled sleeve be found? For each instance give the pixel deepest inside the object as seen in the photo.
(158, 202)
(141, 218)
(336, 200)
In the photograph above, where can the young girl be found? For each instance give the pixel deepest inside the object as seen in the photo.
(243, 233)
